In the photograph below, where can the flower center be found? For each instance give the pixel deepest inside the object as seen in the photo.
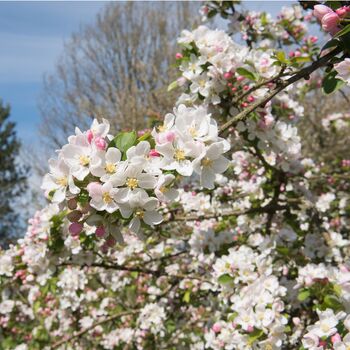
(110, 168)
(62, 181)
(163, 189)
(193, 131)
(84, 160)
(161, 128)
(132, 183)
(206, 161)
(179, 155)
(139, 213)
(107, 198)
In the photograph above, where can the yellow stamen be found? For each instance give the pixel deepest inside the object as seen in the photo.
(193, 132)
(84, 160)
(161, 128)
(107, 198)
(110, 168)
(62, 181)
(179, 155)
(140, 214)
(132, 183)
(206, 161)
(163, 189)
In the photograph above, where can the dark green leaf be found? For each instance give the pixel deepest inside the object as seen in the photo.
(330, 83)
(342, 32)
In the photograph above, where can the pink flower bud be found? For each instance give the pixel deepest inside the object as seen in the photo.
(216, 327)
(94, 189)
(75, 228)
(89, 135)
(154, 153)
(250, 98)
(111, 241)
(100, 143)
(178, 56)
(320, 11)
(342, 11)
(330, 22)
(250, 329)
(291, 54)
(336, 338)
(228, 75)
(297, 54)
(100, 231)
(240, 78)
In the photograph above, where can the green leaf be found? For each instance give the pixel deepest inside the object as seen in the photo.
(187, 296)
(332, 302)
(281, 56)
(124, 140)
(144, 137)
(330, 83)
(172, 86)
(246, 73)
(342, 32)
(225, 278)
(303, 294)
(283, 250)
(255, 335)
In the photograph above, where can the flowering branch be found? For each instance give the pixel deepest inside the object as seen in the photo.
(303, 73)
(83, 331)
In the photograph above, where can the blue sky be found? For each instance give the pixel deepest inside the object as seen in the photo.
(31, 39)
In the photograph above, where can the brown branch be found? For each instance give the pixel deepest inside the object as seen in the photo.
(303, 73)
(83, 331)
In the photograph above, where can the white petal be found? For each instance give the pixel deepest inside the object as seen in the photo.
(152, 217)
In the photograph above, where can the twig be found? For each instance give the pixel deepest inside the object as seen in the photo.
(83, 331)
(303, 73)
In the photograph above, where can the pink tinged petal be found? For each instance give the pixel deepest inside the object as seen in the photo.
(330, 22)
(152, 218)
(320, 11)
(94, 189)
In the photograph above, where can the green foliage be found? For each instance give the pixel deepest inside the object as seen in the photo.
(13, 177)
(225, 279)
(124, 140)
(330, 83)
(246, 73)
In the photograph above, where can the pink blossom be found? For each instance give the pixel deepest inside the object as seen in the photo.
(336, 338)
(178, 56)
(100, 143)
(94, 189)
(89, 135)
(216, 327)
(320, 11)
(330, 22)
(165, 137)
(100, 231)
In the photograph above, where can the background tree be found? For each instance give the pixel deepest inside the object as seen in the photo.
(13, 177)
(118, 68)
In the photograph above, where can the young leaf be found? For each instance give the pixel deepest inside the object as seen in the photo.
(246, 73)
(303, 295)
(225, 278)
(124, 140)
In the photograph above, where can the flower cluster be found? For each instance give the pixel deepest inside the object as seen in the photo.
(134, 178)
